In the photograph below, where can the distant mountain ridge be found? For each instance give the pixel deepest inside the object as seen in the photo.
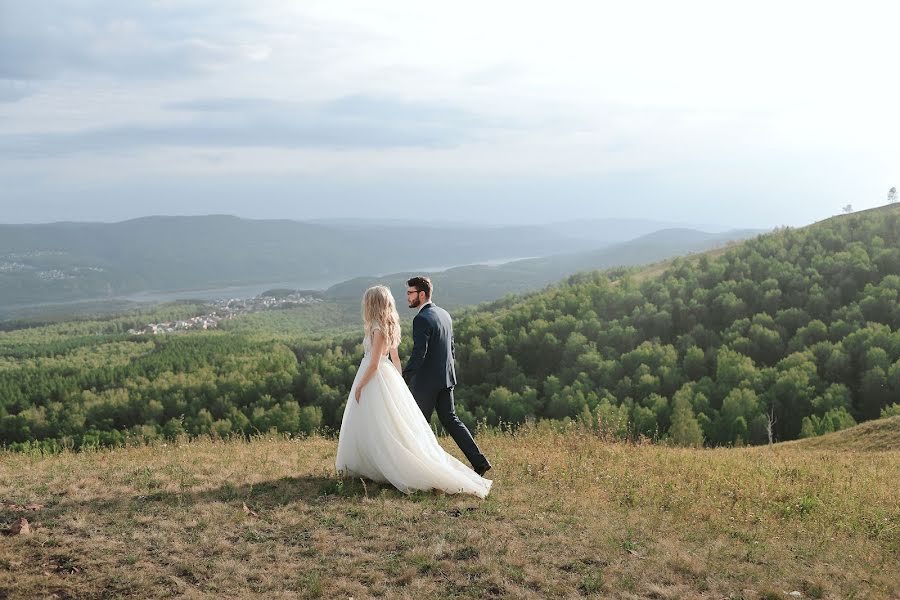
(70, 261)
(73, 261)
(465, 285)
(617, 230)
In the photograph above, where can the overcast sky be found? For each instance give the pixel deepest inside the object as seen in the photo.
(742, 114)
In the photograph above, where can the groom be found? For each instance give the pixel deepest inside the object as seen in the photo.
(430, 373)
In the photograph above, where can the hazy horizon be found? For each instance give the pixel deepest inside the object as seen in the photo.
(508, 113)
(446, 224)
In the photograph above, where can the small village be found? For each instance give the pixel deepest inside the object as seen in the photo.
(229, 309)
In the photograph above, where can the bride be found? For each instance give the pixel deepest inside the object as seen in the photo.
(384, 436)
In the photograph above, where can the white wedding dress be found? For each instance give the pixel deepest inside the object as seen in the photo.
(384, 437)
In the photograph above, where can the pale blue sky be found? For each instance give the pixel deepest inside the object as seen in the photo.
(759, 115)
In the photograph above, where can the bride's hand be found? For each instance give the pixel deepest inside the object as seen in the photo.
(358, 393)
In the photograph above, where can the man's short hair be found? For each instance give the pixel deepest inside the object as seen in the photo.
(422, 284)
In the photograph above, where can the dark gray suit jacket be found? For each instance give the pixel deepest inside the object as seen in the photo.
(430, 367)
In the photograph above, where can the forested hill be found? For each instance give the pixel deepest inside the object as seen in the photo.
(801, 326)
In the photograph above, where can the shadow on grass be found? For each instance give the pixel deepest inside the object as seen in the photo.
(263, 495)
(287, 490)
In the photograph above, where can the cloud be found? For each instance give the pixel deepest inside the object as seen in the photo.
(222, 104)
(40, 41)
(355, 122)
(98, 93)
(351, 107)
(500, 73)
(12, 90)
(384, 109)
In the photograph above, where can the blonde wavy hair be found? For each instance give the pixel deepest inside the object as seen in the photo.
(378, 307)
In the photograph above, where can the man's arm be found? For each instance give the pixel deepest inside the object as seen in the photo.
(395, 358)
(421, 336)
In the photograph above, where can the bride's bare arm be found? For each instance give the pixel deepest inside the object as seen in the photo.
(379, 345)
(395, 358)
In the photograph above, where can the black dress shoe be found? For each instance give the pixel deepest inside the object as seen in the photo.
(482, 469)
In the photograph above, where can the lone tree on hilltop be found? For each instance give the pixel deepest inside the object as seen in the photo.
(848, 208)
(892, 195)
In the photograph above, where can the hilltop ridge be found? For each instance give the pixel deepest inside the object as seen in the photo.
(879, 435)
(570, 515)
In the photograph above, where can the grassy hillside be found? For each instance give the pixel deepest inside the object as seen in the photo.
(570, 516)
(878, 435)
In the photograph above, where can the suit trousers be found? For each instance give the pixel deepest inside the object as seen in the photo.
(446, 410)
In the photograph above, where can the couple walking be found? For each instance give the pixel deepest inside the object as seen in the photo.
(385, 433)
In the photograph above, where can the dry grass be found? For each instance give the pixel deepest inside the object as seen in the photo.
(570, 516)
(871, 436)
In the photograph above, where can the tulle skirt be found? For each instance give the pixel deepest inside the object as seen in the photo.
(384, 437)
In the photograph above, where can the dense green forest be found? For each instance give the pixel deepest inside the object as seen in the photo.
(799, 329)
